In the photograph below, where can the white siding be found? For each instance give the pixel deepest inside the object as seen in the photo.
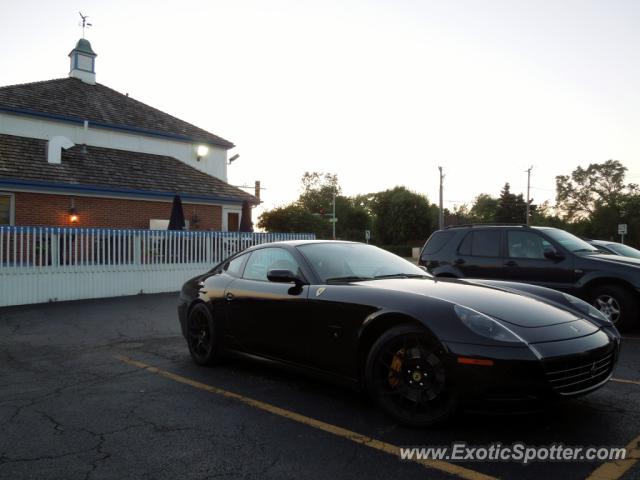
(214, 163)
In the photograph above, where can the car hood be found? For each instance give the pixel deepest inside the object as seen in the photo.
(508, 306)
(617, 259)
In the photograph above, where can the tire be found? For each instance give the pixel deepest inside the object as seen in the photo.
(405, 375)
(202, 336)
(618, 304)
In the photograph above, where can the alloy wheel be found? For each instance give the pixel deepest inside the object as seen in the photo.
(410, 379)
(199, 335)
(609, 307)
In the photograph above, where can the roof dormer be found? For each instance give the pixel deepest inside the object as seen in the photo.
(83, 62)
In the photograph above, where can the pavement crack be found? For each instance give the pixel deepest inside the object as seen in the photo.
(57, 426)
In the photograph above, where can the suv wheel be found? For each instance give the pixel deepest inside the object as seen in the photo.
(617, 303)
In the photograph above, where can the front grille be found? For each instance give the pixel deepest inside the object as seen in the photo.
(576, 375)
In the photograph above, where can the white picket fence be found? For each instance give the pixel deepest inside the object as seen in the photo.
(45, 264)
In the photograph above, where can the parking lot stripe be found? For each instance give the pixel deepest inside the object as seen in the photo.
(617, 468)
(370, 442)
(622, 380)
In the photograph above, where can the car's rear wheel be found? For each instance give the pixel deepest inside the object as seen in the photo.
(406, 376)
(617, 303)
(202, 335)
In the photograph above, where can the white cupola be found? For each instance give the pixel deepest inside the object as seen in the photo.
(83, 62)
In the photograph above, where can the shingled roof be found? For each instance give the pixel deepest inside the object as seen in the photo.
(74, 100)
(24, 160)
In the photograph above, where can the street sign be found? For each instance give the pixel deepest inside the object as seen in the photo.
(367, 235)
(622, 229)
(333, 220)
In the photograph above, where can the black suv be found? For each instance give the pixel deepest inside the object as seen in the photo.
(543, 256)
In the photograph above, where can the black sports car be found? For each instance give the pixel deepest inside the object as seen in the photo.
(420, 346)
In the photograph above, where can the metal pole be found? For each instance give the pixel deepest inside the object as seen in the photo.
(528, 190)
(441, 215)
(334, 215)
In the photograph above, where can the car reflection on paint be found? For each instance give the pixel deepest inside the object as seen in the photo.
(421, 347)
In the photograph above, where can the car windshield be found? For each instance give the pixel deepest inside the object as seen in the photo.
(624, 250)
(569, 241)
(334, 262)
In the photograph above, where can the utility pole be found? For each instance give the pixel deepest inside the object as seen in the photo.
(441, 216)
(333, 218)
(257, 190)
(528, 190)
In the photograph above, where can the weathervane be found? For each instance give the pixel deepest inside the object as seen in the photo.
(84, 23)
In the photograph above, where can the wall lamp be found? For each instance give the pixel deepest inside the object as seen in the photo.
(73, 213)
(201, 151)
(233, 159)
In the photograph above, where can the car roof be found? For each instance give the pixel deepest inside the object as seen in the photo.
(497, 225)
(297, 243)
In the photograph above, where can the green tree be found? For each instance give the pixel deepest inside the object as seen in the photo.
(460, 215)
(317, 191)
(292, 218)
(596, 199)
(353, 219)
(511, 208)
(599, 185)
(544, 216)
(313, 209)
(401, 216)
(484, 209)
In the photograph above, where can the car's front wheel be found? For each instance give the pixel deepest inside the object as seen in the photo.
(202, 335)
(617, 304)
(406, 376)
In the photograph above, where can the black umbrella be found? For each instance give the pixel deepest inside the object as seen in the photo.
(176, 222)
(246, 225)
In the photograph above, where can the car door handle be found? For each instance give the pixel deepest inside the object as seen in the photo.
(335, 331)
(510, 263)
(229, 296)
(459, 261)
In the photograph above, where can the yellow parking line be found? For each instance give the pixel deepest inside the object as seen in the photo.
(617, 468)
(446, 467)
(622, 380)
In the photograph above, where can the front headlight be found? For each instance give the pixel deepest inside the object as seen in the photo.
(587, 309)
(484, 325)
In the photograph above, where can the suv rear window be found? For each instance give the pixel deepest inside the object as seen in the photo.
(436, 241)
(481, 243)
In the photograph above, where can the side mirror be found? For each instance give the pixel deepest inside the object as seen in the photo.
(284, 276)
(551, 253)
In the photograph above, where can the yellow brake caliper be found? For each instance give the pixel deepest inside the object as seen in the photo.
(396, 366)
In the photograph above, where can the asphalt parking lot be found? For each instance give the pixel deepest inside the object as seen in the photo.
(106, 389)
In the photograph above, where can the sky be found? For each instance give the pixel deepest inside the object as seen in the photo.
(380, 93)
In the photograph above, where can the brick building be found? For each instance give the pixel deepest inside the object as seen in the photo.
(74, 152)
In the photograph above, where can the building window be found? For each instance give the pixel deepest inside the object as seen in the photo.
(6, 209)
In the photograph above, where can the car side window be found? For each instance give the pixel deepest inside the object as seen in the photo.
(437, 240)
(234, 267)
(265, 259)
(526, 245)
(465, 246)
(481, 243)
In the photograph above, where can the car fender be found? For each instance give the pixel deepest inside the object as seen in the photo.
(446, 270)
(619, 277)
(433, 313)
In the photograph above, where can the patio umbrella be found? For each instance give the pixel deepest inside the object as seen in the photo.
(246, 225)
(176, 222)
